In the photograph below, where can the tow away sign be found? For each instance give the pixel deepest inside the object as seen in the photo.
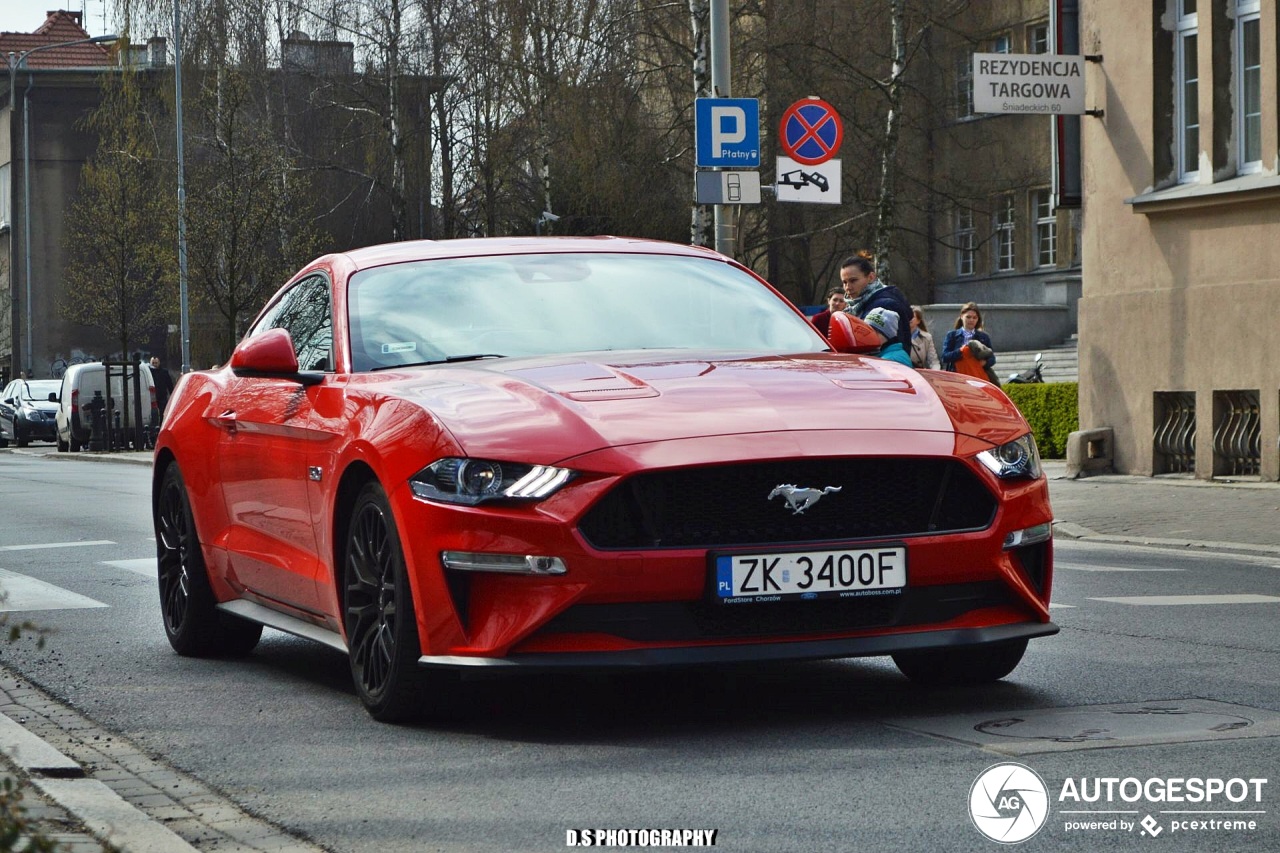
(1034, 83)
(818, 184)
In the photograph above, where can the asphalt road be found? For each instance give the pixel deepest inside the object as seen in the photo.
(831, 756)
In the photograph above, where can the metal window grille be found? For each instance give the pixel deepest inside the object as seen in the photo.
(1175, 432)
(1237, 434)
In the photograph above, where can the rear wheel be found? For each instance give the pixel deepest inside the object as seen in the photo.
(382, 631)
(969, 665)
(191, 622)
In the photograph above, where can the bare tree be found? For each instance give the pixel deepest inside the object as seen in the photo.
(120, 230)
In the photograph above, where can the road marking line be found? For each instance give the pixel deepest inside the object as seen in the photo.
(1077, 567)
(1243, 598)
(1055, 605)
(55, 545)
(26, 593)
(145, 566)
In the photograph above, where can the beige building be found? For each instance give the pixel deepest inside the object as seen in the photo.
(1182, 210)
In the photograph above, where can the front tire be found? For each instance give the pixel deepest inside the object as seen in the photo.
(969, 665)
(195, 628)
(378, 614)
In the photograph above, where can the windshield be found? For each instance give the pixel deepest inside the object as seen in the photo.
(40, 390)
(455, 309)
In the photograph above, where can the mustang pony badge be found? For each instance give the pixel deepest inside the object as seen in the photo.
(801, 499)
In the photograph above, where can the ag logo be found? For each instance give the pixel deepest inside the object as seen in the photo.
(1008, 803)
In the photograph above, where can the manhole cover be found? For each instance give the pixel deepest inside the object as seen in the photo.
(1097, 726)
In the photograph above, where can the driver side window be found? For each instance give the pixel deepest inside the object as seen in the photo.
(305, 313)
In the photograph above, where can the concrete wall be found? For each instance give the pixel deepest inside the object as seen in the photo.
(1011, 327)
(1179, 281)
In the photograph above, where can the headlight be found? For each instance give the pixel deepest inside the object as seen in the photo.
(473, 481)
(1017, 458)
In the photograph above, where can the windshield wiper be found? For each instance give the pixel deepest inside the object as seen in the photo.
(475, 356)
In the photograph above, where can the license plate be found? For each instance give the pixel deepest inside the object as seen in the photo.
(804, 575)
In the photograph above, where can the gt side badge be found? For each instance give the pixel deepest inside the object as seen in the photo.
(313, 473)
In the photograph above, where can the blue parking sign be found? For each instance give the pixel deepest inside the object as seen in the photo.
(728, 132)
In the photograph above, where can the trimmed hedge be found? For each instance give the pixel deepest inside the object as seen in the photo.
(1053, 411)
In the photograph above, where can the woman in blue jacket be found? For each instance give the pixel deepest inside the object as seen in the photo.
(955, 355)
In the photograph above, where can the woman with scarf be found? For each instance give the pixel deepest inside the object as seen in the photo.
(865, 292)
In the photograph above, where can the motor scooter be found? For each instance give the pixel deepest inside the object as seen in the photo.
(1029, 376)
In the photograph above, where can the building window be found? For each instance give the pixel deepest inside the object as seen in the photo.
(1248, 91)
(1187, 96)
(1001, 44)
(1038, 39)
(1046, 229)
(965, 242)
(1004, 233)
(964, 87)
(4, 196)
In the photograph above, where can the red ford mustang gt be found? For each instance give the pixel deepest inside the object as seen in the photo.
(597, 452)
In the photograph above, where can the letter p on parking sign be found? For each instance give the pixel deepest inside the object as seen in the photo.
(728, 132)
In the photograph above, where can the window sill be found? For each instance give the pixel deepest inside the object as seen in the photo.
(1233, 191)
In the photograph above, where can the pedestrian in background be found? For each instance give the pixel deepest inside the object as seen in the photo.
(163, 382)
(923, 352)
(835, 302)
(957, 355)
(865, 293)
(885, 322)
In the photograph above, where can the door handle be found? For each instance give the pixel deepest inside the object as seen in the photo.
(227, 420)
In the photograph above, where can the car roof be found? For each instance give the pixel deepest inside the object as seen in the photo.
(414, 250)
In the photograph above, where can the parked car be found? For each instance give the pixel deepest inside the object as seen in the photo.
(505, 454)
(27, 410)
(82, 382)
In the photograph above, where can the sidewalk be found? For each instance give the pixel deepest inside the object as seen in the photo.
(1170, 510)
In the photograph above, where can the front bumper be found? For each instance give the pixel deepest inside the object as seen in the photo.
(749, 653)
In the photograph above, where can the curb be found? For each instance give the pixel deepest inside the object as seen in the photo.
(107, 816)
(136, 803)
(1071, 530)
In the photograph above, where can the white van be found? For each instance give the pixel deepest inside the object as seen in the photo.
(75, 410)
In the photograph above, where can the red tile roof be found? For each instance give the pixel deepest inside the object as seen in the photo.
(60, 26)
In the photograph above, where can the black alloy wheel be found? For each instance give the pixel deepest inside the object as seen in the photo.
(194, 626)
(382, 632)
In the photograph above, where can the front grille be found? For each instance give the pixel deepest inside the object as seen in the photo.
(729, 505)
(672, 621)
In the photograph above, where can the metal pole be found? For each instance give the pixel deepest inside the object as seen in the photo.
(26, 212)
(721, 86)
(13, 219)
(185, 328)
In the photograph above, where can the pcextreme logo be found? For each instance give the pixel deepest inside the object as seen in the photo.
(1009, 802)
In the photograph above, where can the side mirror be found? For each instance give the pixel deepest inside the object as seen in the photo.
(53, 396)
(270, 354)
(849, 334)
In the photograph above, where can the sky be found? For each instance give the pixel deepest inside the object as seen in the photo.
(25, 16)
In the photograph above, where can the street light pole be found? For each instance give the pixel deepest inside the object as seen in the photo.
(14, 65)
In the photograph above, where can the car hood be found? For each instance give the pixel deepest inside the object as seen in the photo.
(569, 405)
(40, 406)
